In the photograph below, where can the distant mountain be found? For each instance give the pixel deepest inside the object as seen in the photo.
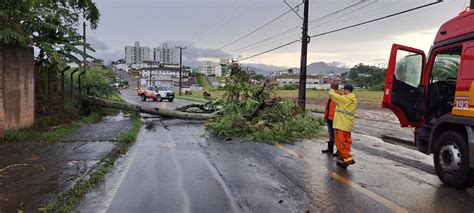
(314, 68)
(265, 67)
(323, 68)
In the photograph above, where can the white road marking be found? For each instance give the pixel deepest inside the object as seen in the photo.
(110, 195)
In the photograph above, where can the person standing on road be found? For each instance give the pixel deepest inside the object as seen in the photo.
(329, 117)
(346, 105)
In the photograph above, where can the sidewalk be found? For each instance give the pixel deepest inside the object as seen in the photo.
(31, 174)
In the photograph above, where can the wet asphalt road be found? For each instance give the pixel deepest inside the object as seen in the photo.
(176, 167)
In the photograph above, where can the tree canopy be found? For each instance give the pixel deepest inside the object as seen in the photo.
(366, 76)
(50, 25)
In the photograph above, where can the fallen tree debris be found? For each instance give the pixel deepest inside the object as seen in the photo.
(254, 112)
(154, 111)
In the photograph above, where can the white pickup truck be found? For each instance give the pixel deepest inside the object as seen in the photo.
(156, 93)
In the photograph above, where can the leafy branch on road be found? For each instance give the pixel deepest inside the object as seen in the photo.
(254, 112)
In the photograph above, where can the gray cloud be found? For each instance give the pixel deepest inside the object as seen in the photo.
(108, 56)
(97, 44)
(193, 54)
(336, 64)
(154, 21)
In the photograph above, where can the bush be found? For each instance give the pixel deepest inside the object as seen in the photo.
(377, 87)
(99, 80)
(289, 87)
(15, 136)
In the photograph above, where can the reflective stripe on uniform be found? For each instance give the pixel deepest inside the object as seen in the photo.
(348, 159)
(345, 112)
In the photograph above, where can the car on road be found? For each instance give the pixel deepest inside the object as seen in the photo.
(156, 93)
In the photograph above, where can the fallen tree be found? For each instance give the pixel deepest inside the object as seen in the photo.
(257, 114)
(246, 110)
(154, 111)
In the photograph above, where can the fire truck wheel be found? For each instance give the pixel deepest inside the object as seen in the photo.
(143, 97)
(451, 159)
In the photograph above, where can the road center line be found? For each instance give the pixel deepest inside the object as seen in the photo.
(394, 207)
(368, 193)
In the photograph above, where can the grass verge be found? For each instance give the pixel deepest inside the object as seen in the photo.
(371, 98)
(132, 134)
(68, 200)
(49, 130)
(192, 98)
(204, 82)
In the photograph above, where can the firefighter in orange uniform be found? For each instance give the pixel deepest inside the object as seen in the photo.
(329, 117)
(346, 105)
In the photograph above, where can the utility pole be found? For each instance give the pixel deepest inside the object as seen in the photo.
(84, 56)
(149, 77)
(472, 5)
(180, 65)
(304, 58)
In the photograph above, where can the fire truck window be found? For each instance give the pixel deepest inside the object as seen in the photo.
(409, 67)
(467, 72)
(446, 66)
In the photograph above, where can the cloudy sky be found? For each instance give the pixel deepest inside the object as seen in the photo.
(206, 25)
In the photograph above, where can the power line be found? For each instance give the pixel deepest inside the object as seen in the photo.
(340, 10)
(270, 50)
(376, 11)
(344, 28)
(342, 15)
(260, 42)
(376, 19)
(205, 30)
(257, 45)
(294, 28)
(254, 31)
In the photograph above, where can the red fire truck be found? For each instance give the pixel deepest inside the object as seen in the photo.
(435, 94)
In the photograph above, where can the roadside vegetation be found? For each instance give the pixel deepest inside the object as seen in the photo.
(51, 129)
(203, 81)
(67, 201)
(366, 76)
(256, 113)
(132, 134)
(318, 97)
(54, 30)
(195, 98)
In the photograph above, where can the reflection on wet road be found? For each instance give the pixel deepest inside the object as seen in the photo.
(176, 167)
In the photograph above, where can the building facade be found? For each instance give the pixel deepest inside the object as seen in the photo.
(145, 72)
(289, 80)
(136, 54)
(162, 77)
(211, 70)
(165, 55)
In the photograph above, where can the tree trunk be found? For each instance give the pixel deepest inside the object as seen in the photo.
(155, 111)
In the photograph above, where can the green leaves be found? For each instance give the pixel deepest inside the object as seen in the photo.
(252, 111)
(50, 25)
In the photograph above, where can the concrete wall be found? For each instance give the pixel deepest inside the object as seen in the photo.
(17, 94)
